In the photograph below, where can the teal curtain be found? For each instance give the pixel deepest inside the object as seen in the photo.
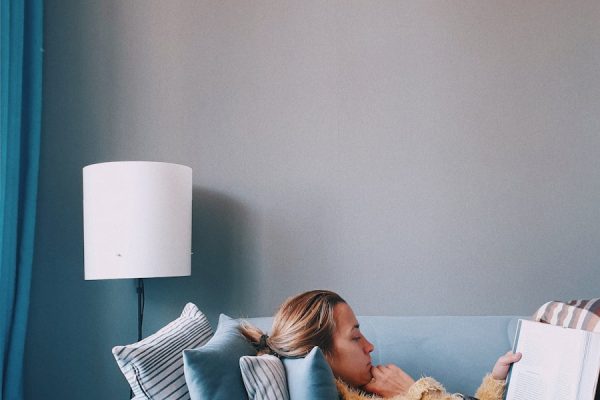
(20, 118)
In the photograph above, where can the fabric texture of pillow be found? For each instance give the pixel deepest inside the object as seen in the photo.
(576, 314)
(310, 377)
(212, 371)
(264, 377)
(154, 366)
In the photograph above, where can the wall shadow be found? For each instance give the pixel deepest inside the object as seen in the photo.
(223, 262)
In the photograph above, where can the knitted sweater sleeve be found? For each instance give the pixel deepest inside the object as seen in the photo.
(424, 389)
(429, 389)
(491, 389)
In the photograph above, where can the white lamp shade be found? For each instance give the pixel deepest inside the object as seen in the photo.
(137, 220)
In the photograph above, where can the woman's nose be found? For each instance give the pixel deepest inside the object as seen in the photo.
(368, 346)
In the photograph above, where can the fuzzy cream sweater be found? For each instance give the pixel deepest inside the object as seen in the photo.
(430, 389)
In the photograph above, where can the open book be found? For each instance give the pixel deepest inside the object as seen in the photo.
(557, 364)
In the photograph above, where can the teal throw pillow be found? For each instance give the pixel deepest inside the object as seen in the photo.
(310, 377)
(212, 371)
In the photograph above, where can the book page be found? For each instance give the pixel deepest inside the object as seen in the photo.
(589, 380)
(551, 366)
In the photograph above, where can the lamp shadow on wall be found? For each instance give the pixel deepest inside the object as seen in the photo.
(223, 264)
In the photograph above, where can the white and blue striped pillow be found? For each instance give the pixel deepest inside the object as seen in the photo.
(264, 377)
(154, 366)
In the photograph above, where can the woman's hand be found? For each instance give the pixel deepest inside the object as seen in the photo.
(503, 364)
(388, 381)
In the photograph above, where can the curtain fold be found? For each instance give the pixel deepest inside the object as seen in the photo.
(21, 24)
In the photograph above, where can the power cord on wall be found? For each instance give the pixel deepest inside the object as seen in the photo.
(141, 301)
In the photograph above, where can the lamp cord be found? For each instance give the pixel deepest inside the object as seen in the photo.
(141, 301)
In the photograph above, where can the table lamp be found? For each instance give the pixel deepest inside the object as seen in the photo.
(137, 222)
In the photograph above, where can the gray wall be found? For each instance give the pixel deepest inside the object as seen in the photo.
(419, 157)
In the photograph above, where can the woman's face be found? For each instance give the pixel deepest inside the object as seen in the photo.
(351, 356)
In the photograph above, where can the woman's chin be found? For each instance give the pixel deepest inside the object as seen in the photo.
(357, 380)
(365, 380)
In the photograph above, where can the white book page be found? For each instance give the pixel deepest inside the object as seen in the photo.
(551, 365)
(589, 380)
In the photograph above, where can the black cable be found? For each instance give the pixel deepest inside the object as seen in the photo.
(141, 301)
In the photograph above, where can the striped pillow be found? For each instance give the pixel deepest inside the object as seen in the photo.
(154, 366)
(577, 314)
(264, 377)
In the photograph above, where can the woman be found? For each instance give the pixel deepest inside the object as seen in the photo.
(322, 318)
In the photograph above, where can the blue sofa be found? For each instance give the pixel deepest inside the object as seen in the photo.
(456, 350)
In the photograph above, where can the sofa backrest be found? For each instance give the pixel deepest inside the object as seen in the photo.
(456, 350)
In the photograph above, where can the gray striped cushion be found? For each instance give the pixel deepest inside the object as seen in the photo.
(264, 377)
(154, 366)
(577, 314)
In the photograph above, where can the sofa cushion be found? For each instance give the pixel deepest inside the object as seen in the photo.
(153, 366)
(310, 377)
(212, 371)
(264, 377)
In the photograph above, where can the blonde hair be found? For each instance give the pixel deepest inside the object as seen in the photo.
(301, 323)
